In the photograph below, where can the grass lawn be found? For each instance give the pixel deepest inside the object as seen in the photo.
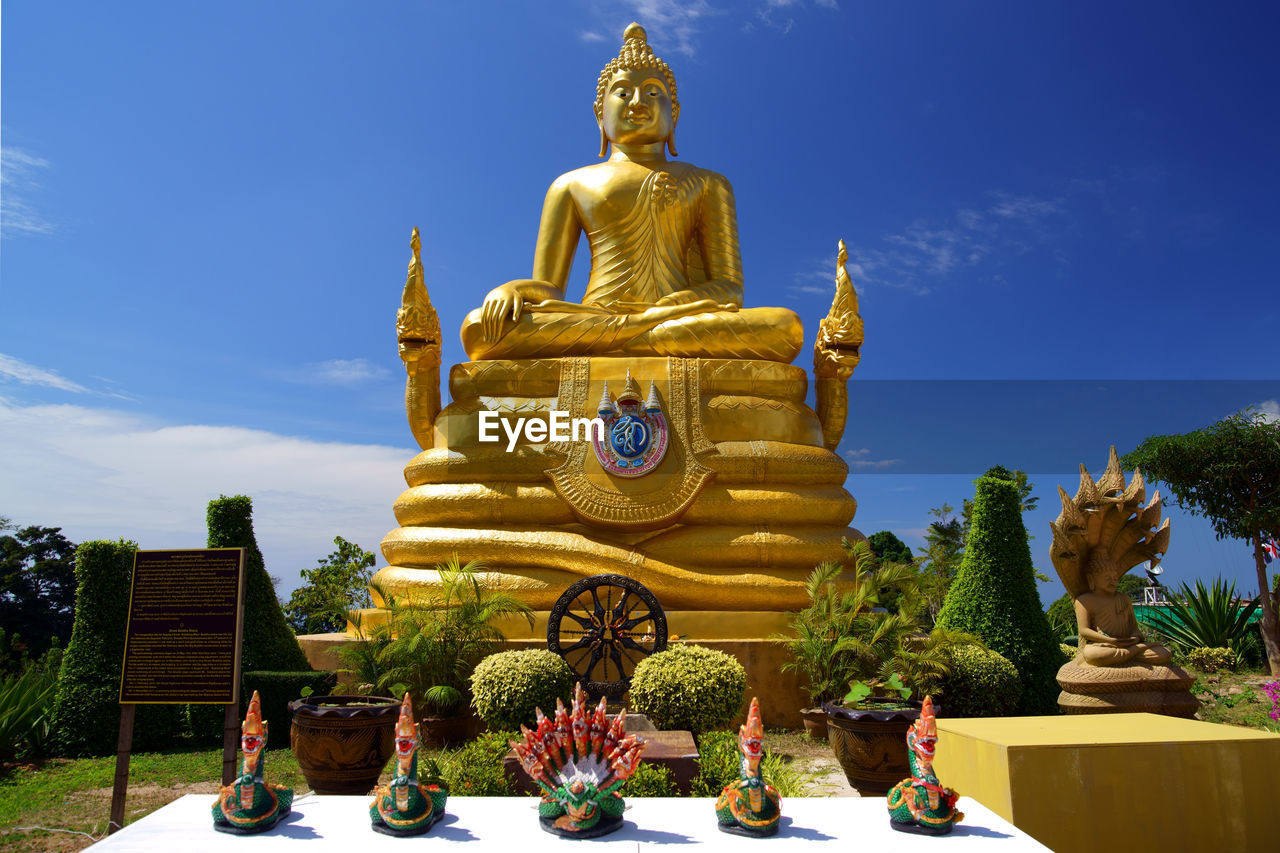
(63, 804)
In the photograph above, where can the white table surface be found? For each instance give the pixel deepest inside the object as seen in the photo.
(511, 824)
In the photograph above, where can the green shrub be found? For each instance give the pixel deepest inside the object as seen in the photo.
(1068, 652)
(982, 683)
(25, 703)
(1211, 660)
(994, 594)
(688, 687)
(650, 780)
(275, 691)
(86, 710)
(508, 686)
(718, 763)
(475, 770)
(269, 642)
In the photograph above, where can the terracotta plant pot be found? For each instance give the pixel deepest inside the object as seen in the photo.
(815, 723)
(437, 732)
(342, 743)
(870, 742)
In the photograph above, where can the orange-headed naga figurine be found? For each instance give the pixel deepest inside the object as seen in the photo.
(750, 806)
(248, 804)
(920, 804)
(408, 805)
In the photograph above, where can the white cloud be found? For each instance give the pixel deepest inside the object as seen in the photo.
(338, 371)
(103, 474)
(17, 370)
(18, 171)
(591, 36)
(928, 252)
(857, 459)
(673, 23)
(1269, 409)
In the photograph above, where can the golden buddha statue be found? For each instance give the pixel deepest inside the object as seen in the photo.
(746, 495)
(666, 275)
(1102, 532)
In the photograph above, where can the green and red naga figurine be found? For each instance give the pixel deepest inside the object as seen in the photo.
(920, 804)
(249, 804)
(750, 806)
(580, 761)
(407, 805)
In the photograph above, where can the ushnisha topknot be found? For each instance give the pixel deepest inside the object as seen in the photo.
(634, 55)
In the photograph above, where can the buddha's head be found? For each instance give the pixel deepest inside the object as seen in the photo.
(636, 100)
(1102, 572)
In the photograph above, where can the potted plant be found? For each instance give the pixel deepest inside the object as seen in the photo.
(343, 742)
(431, 646)
(835, 631)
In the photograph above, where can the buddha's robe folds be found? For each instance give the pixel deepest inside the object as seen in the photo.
(676, 246)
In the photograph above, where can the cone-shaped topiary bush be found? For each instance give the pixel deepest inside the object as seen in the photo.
(269, 644)
(994, 594)
(86, 712)
(688, 687)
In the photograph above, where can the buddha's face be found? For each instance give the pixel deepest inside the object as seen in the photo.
(637, 108)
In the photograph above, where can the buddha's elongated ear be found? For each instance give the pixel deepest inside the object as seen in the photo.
(671, 141)
(604, 142)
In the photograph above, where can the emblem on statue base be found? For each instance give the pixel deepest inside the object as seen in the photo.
(635, 433)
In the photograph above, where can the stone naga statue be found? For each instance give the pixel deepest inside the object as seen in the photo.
(1102, 533)
(750, 806)
(249, 804)
(1106, 529)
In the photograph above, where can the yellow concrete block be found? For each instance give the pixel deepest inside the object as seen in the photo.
(1119, 782)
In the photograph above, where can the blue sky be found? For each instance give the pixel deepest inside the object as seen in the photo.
(206, 212)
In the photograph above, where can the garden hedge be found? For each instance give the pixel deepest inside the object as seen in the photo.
(982, 683)
(86, 711)
(269, 644)
(688, 687)
(994, 594)
(508, 686)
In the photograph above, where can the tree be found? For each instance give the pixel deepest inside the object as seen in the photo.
(887, 546)
(338, 583)
(994, 594)
(37, 586)
(1228, 473)
(938, 564)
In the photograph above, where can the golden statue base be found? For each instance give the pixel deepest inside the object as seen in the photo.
(744, 503)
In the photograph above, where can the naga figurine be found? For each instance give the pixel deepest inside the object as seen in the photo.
(418, 336)
(836, 352)
(920, 804)
(407, 805)
(580, 762)
(750, 806)
(248, 804)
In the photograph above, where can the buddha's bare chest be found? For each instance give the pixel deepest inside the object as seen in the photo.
(616, 195)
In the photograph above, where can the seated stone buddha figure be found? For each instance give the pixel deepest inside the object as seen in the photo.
(666, 274)
(1106, 622)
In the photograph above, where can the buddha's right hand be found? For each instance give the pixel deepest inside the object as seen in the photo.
(503, 301)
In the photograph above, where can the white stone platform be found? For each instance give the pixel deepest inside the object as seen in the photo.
(511, 823)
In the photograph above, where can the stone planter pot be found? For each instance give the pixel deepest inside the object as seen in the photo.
(438, 732)
(815, 723)
(870, 742)
(342, 743)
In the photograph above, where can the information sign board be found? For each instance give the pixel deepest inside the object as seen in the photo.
(182, 641)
